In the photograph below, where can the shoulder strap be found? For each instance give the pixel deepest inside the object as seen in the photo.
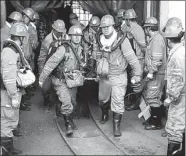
(73, 50)
(14, 47)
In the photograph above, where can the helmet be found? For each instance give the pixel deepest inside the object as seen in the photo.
(36, 16)
(59, 26)
(75, 30)
(173, 28)
(29, 12)
(18, 29)
(74, 22)
(17, 16)
(94, 21)
(174, 21)
(73, 16)
(106, 21)
(121, 13)
(130, 14)
(151, 21)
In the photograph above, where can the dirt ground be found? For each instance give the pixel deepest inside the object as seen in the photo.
(40, 135)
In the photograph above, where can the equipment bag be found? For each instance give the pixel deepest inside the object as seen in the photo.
(74, 78)
(103, 63)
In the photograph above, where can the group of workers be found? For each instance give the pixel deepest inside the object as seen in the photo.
(118, 53)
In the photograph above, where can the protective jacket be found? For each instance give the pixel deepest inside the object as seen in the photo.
(175, 125)
(155, 57)
(89, 42)
(10, 63)
(58, 59)
(119, 58)
(138, 41)
(176, 72)
(45, 49)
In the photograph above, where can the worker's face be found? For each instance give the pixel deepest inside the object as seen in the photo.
(107, 30)
(57, 34)
(76, 39)
(26, 19)
(120, 20)
(128, 22)
(95, 28)
(169, 43)
(36, 22)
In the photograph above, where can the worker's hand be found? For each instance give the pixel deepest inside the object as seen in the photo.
(83, 64)
(150, 76)
(167, 102)
(97, 79)
(135, 79)
(41, 84)
(15, 101)
(125, 28)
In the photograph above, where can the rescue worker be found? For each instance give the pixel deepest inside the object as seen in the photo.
(35, 24)
(175, 75)
(32, 40)
(58, 32)
(12, 18)
(73, 18)
(10, 94)
(64, 60)
(30, 44)
(36, 19)
(155, 62)
(90, 45)
(120, 19)
(136, 36)
(113, 85)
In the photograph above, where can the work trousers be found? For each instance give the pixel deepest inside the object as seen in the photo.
(9, 115)
(67, 96)
(113, 88)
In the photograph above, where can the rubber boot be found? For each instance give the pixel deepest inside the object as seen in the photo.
(58, 109)
(105, 113)
(156, 119)
(24, 106)
(68, 125)
(183, 145)
(174, 148)
(7, 145)
(135, 106)
(116, 124)
(147, 122)
(17, 132)
(74, 127)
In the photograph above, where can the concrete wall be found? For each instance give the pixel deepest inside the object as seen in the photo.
(170, 9)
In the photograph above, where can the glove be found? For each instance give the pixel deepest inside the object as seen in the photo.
(83, 65)
(135, 79)
(150, 76)
(167, 101)
(15, 101)
(40, 84)
(97, 79)
(137, 87)
(125, 28)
